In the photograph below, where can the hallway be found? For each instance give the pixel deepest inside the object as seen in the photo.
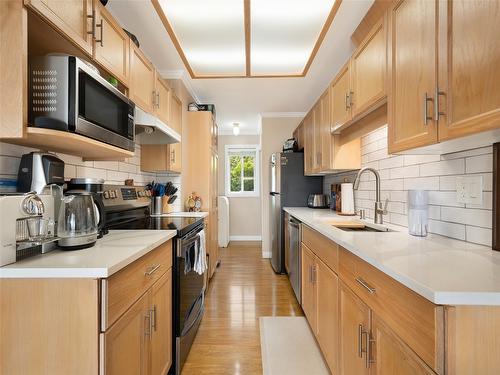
(243, 289)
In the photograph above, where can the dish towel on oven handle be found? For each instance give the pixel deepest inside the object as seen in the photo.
(200, 265)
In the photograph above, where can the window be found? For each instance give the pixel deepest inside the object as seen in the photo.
(242, 171)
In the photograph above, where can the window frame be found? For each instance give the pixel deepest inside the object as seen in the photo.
(256, 172)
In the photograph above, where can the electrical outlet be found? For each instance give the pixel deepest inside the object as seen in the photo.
(470, 189)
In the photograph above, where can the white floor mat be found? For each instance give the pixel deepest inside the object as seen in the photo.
(288, 347)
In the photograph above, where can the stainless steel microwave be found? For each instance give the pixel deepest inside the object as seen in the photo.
(69, 95)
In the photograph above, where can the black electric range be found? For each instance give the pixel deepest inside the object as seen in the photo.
(128, 208)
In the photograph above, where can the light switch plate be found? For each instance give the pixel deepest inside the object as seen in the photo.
(470, 189)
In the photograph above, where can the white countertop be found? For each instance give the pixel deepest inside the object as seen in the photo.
(183, 214)
(441, 269)
(111, 253)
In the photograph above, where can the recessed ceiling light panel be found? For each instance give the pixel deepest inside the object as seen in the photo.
(284, 34)
(210, 33)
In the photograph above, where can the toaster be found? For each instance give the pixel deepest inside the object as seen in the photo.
(318, 201)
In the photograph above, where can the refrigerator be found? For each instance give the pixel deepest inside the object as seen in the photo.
(288, 188)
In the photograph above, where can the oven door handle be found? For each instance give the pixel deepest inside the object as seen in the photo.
(202, 309)
(183, 243)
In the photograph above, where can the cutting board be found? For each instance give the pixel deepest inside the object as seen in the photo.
(348, 224)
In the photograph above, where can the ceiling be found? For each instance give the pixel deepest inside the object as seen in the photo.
(228, 38)
(246, 100)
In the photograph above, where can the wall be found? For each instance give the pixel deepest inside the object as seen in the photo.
(245, 222)
(113, 172)
(435, 173)
(274, 132)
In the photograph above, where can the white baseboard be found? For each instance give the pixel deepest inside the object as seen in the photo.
(266, 254)
(245, 238)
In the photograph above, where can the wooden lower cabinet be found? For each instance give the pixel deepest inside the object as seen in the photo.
(161, 333)
(327, 327)
(127, 342)
(354, 329)
(390, 355)
(308, 287)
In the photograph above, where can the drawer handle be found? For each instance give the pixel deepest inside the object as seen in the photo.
(365, 285)
(152, 270)
(153, 318)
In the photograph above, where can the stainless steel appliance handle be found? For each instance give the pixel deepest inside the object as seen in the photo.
(294, 224)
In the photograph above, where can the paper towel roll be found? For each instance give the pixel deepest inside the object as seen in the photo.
(347, 202)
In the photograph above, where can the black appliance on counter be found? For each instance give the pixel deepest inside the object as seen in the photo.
(37, 170)
(128, 208)
(67, 93)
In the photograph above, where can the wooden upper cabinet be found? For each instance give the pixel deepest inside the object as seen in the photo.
(308, 286)
(412, 74)
(142, 80)
(328, 314)
(127, 342)
(308, 144)
(354, 330)
(340, 94)
(317, 117)
(111, 44)
(175, 157)
(390, 355)
(325, 132)
(71, 17)
(368, 68)
(469, 67)
(162, 99)
(161, 325)
(298, 134)
(175, 113)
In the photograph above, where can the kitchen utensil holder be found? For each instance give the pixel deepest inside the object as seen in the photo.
(157, 206)
(166, 207)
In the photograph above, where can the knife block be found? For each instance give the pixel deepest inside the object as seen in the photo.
(166, 208)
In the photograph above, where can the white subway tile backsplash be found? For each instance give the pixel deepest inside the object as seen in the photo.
(410, 171)
(420, 159)
(442, 168)
(125, 167)
(481, 163)
(435, 173)
(117, 176)
(421, 183)
(111, 165)
(480, 218)
(467, 153)
(90, 172)
(391, 161)
(452, 230)
(482, 236)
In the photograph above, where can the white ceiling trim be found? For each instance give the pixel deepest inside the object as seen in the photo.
(282, 114)
(182, 75)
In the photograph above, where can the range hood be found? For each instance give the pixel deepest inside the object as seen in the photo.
(150, 130)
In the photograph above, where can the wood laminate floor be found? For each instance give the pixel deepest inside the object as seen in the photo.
(243, 289)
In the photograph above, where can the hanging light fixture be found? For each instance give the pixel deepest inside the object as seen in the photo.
(236, 128)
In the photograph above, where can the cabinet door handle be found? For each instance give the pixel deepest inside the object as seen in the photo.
(427, 99)
(346, 101)
(147, 322)
(365, 285)
(92, 30)
(351, 94)
(360, 340)
(100, 41)
(369, 341)
(153, 318)
(172, 156)
(152, 270)
(437, 112)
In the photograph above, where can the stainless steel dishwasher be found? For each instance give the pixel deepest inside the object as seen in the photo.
(294, 256)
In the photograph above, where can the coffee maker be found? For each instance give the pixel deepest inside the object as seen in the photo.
(20, 214)
(38, 170)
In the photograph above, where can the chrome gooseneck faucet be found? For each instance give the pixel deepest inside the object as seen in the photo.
(380, 211)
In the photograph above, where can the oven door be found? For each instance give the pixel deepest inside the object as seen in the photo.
(190, 295)
(103, 112)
